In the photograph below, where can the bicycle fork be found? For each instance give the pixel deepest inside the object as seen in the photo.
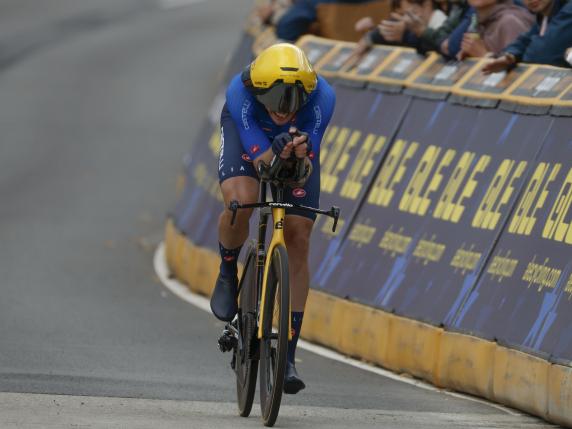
(278, 214)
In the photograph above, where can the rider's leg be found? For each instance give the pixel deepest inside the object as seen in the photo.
(297, 233)
(238, 181)
(243, 189)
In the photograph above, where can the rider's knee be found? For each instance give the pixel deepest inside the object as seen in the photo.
(242, 218)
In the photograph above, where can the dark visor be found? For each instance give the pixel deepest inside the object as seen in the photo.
(283, 98)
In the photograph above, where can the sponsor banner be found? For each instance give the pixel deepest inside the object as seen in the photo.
(351, 151)
(477, 86)
(537, 91)
(524, 296)
(435, 209)
(315, 48)
(367, 64)
(399, 68)
(336, 60)
(437, 74)
(543, 85)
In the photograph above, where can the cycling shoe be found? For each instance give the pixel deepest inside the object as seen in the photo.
(292, 382)
(223, 300)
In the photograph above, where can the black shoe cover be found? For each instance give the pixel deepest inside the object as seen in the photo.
(292, 382)
(223, 299)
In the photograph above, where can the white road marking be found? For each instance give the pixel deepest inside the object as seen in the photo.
(203, 303)
(170, 4)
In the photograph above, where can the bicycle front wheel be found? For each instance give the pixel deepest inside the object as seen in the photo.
(274, 343)
(245, 353)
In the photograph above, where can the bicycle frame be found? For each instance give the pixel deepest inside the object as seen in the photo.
(263, 256)
(278, 215)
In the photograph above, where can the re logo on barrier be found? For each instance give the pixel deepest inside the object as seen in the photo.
(337, 156)
(498, 194)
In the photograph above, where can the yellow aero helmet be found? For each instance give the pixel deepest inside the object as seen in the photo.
(281, 78)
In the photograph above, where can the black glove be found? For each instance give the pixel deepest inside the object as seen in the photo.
(280, 142)
(299, 133)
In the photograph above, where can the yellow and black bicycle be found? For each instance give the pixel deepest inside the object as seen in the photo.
(261, 331)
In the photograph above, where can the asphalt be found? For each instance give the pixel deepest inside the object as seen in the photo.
(99, 103)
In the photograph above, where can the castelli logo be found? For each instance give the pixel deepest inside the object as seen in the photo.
(246, 157)
(229, 258)
(311, 155)
(255, 148)
(299, 193)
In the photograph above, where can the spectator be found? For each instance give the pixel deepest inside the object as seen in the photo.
(411, 13)
(451, 45)
(431, 37)
(545, 43)
(495, 24)
(300, 16)
(419, 33)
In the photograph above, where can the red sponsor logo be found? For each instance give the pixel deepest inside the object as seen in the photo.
(229, 258)
(311, 155)
(293, 332)
(299, 193)
(255, 148)
(246, 157)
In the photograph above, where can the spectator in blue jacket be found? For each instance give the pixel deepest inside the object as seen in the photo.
(545, 43)
(297, 20)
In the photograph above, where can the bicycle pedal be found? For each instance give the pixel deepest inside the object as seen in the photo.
(226, 341)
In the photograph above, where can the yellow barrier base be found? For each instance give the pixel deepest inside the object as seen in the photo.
(560, 394)
(466, 363)
(413, 347)
(446, 359)
(521, 381)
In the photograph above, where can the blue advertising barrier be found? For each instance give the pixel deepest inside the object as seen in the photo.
(435, 210)
(357, 140)
(524, 296)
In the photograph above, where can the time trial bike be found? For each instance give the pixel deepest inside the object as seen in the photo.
(260, 332)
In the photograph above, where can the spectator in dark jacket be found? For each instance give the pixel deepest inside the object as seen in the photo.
(545, 43)
(297, 20)
(496, 24)
(451, 45)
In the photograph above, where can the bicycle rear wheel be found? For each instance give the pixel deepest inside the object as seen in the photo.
(245, 353)
(274, 343)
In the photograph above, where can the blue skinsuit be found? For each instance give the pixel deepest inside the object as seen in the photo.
(247, 132)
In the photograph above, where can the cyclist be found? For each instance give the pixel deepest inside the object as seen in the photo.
(276, 106)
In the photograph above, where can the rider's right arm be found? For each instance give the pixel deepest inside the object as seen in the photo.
(241, 106)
